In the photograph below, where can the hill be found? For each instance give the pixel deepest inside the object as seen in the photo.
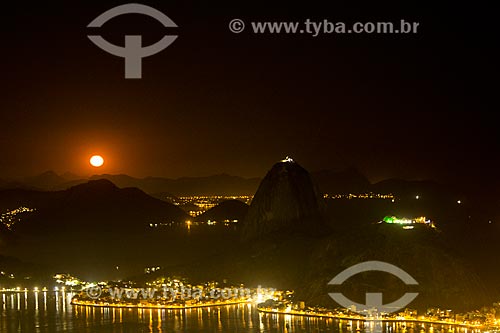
(47, 180)
(97, 203)
(287, 201)
(349, 180)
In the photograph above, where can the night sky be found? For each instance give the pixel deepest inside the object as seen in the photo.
(412, 106)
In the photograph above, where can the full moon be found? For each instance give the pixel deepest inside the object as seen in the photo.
(96, 161)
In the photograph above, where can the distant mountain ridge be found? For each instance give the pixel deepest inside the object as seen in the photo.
(349, 180)
(330, 181)
(341, 181)
(48, 180)
(221, 184)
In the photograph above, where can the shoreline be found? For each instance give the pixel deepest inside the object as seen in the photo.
(159, 306)
(318, 315)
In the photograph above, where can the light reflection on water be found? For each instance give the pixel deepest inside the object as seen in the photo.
(52, 312)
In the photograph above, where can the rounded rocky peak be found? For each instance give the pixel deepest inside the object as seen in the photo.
(287, 200)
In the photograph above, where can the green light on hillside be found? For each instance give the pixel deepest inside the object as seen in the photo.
(405, 221)
(396, 220)
(389, 219)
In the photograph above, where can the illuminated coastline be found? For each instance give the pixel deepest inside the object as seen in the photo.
(157, 306)
(367, 319)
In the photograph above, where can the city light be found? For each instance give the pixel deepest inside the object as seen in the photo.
(287, 160)
(407, 223)
(366, 195)
(14, 216)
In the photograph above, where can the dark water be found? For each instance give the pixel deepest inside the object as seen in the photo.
(94, 256)
(52, 312)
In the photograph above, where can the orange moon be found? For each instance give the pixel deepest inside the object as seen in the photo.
(96, 161)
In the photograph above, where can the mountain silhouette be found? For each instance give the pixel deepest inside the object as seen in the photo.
(47, 180)
(222, 184)
(98, 203)
(287, 201)
(349, 180)
(329, 181)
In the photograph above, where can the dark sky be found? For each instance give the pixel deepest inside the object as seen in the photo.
(412, 106)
